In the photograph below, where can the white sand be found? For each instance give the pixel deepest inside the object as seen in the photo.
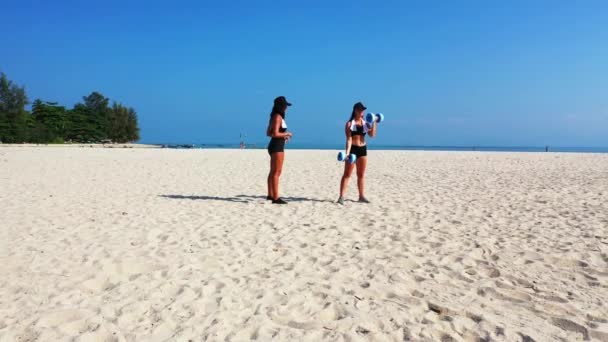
(157, 244)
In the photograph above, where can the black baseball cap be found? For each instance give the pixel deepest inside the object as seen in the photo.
(281, 100)
(359, 106)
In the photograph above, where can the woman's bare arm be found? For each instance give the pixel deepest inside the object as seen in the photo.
(349, 138)
(372, 131)
(275, 125)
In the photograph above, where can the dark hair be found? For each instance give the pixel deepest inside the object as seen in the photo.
(357, 107)
(278, 109)
(352, 115)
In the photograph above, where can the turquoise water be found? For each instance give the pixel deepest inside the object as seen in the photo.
(409, 148)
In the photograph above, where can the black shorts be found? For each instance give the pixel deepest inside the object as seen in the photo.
(359, 151)
(276, 145)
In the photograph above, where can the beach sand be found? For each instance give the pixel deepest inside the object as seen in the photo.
(161, 244)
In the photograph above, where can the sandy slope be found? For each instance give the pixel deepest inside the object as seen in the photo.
(155, 244)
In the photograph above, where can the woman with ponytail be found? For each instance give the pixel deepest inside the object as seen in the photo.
(277, 131)
(355, 131)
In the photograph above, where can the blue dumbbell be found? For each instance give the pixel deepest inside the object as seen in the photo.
(351, 158)
(371, 117)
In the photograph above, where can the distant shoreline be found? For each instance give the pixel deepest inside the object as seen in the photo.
(523, 149)
(372, 146)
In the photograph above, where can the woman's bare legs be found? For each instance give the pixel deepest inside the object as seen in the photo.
(276, 167)
(270, 173)
(348, 170)
(361, 166)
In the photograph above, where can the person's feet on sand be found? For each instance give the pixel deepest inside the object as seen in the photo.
(269, 198)
(279, 201)
(340, 200)
(363, 200)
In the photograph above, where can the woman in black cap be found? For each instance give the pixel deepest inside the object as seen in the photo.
(355, 130)
(277, 130)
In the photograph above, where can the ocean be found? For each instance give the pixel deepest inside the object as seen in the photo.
(372, 146)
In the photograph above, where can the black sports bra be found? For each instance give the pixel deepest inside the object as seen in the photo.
(359, 130)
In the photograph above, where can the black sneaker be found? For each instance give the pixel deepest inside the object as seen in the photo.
(269, 198)
(363, 200)
(279, 201)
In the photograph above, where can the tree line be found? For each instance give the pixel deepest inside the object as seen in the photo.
(93, 120)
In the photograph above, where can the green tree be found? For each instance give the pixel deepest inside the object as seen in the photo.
(132, 126)
(78, 126)
(52, 117)
(5, 127)
(37, 131)
(123, 124)
(118, 123)
(13, 117)
(91, 121)
(98, 115)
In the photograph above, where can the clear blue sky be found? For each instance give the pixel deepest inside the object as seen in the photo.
(443, 72)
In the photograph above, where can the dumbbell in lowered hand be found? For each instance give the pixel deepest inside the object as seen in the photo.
(351, 158)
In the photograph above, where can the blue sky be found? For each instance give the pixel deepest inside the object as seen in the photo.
(513, 73)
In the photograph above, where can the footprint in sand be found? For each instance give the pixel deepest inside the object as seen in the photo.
(96, 284)
(129, 267)
(509, 295)
(71, 322)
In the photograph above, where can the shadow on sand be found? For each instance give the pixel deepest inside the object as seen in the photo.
(241, 198)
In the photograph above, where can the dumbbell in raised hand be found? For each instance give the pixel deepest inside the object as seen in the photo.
(351, 158)
(371, 117)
